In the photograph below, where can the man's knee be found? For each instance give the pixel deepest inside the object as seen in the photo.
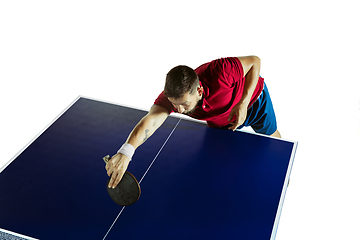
(276, 134)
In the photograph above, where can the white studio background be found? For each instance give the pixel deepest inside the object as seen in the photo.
(120, 51)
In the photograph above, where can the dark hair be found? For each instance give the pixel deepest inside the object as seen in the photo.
(180, 80)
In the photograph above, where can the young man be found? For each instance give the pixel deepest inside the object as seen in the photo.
(228, 93)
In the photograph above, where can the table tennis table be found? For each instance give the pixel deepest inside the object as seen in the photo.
(196, 182)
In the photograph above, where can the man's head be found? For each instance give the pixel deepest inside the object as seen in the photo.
(182, 88)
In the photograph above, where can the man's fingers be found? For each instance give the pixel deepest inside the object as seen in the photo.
(115, 178)
(109, 173)
(118, 179)
(236, 124)
(231, 115)
(233, 127)
(112, 179)
(109, 167)
(240, 113)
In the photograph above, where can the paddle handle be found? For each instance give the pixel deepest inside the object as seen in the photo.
(106, 158)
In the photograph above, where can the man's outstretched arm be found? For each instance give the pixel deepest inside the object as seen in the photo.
(118, 164)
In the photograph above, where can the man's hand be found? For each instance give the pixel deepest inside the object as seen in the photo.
(116, 168)
(240, 111)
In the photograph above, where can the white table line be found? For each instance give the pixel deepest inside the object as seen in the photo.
(159, 151)
(144, 175)
(114, 222)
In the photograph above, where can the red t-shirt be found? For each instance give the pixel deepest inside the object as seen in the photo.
(223, 81)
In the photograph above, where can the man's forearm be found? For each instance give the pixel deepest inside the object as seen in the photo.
(147, 126)
(142, 131)
(251, 80)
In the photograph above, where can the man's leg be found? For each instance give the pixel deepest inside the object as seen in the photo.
(262, 115)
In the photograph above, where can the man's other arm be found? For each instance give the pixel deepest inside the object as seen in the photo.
(251, 67)
(118, 164)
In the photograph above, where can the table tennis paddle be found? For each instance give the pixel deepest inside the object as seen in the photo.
(128, 190)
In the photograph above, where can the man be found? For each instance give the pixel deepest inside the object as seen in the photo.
(228, 93)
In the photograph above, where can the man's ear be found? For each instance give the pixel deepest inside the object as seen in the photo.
(200, 91)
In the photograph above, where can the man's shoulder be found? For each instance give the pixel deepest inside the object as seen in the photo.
(220, 71)
(164, 102)
(219, 65)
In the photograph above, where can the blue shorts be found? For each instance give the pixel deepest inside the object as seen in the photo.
(261, 116)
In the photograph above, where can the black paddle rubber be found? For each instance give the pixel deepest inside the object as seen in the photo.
(127, 192)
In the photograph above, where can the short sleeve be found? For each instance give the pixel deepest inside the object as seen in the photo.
(226, 70)
(162, 101)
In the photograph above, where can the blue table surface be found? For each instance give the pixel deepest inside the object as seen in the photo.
(205, 183)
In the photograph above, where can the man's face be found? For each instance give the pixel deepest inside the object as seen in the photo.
(188, 102)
